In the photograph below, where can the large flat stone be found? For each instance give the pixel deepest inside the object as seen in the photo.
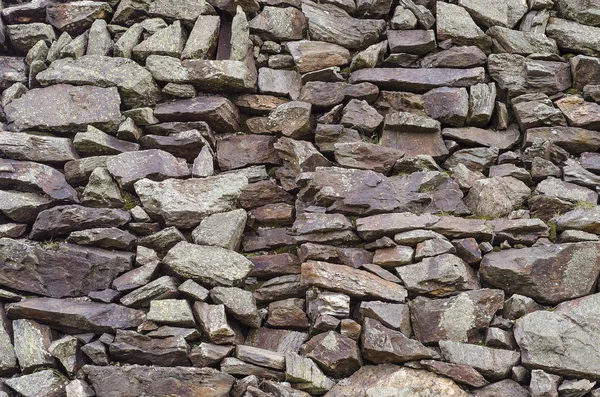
(138, 380)
(76, 316)
(39, 148)
(184, 203)
(563, 341)
(549, 274)
(65, 109)
(136, 85)
(68, 270)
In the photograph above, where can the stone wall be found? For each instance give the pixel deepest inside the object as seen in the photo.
(285, 198)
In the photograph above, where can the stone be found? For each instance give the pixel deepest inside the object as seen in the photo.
(438, 276)
(355, 283)
(209, 355)
(168, 41)
(481, 104)
(585, 71)
(76, 17)
(14, 70)
(370, 57)
(221, 230)
(279, 24)
(80, 316)
(476, 159)
(325, 95)
(79, 388)
(135, 84)
(454, 23)
(531, 114)
(418, 42)
(137, 380)
(96, 267)
(24, 36)
(62, 220)
(103, 238)
(196, 198)
(413, 134)
(306, 375)
(32, 341)
(239, 303)
(220, 113)
(102, 191)
(373, 380)
(496, 197)
(42, 383)
(279, 82)
(568, 326)
(239, 151)
(580, 113)
(67, 351)
(287, 313)
(292, 119)
(447, 105)
(510, 41)
(367, 156)
(134, 348)
(494, 364)
(460, 318)
(175, 312)
(202, 41)
(99, 41)
(315, 55)
(158, 165)
(95, 142)
(458, 373)
(30, 147)
(338, 356)
(403, 18)
(519, 268)
(572, 139)
(233, 366)
(488, 14)
(214, 323)
(519, 75)
(506, 387)
(572, 36)
(80, 106)
(262, 357)
(418, 80)
(575, 387)
(373, 227)
(479, 137)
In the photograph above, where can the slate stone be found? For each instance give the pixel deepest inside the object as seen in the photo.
(279, 24)
(70, 315)
(79, 107)
(134, 348)
(164, 287)
(572, 36)
(315, 55)
(42, 383)
(520, 271)
(220, 113)
(30, 147)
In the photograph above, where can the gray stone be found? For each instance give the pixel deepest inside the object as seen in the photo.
(109, 237)
(32, 341)
(306, 375)
(447, 105)
(202, 42)
(79, 107)
(279, 24)
(24, 36)
(240, 303)
(102, 191)
(418, 42)
(213, 266)
(496, 197)
(99, 42)
(46, 383)
(518, 42)
(315, 55)
(454, 23)
(575, 37)
(66, 350)
(38, 148)
(221, 230)
(279, 82)
(214, 323)
(175, 312)
(168, 41)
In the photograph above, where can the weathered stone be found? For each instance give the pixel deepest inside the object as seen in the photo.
(580, 113)
(134, 348)
(447, 105)
(494, 364)
(571, 325)
(479, 137)
(220, 113)
(586, 220)
(325, 95)
(516, 271)
(454, 23)
(575, 37)
(38, 148)
(305, 375)
(221, 230)
(24, 36)
(418, 42)
(213, 322)
(510, 41)
(438, 276)
(496, 197)
(413, 134)
(14, 70)
(572, 139)
(32, 341)
(458, 373)
(202, 42)
(79, 316)
(208, 265)
(76, 17)
(315, 55)
(79, 107)
(288, 313)
(370, 57)
(164, 287)
(262, 357)
(324, 20)
(79, 388)
(506, 387)
(196, 198)
(234, 366)
(109, 237)
(279, 24)
(176, 312)
(239, 303)
(460, 318)
(279, 340)
(476, 159)
(135, 84)
(99, 41)
(208, 354)
(46, 383)
(168, 41)
(137, 380)
(375, 380)
(482, 100)
(537, 113)
(418, 80)
(373, 227)
(455, 57)
(67, 351)
(239, 151)
(95, 142)
(292, 119)
(337, 355)
(366, 156)
(356, 283)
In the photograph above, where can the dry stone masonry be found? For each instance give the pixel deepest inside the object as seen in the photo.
(295, 198)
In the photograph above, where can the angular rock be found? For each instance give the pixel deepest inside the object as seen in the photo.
(580, 113)
(447, 105)
(175, 312)
(458, 373)
(575, 37)
(42, 383)
(134, 348)
(325, 20)
(208, 265)
(518, 42)
(315, 55)
(202, 42)
(356, 283)
(372, 380)
(239, 303)
(418, 42)
(569, 271)
(74, 18)
(213, 322)
(220, 113)
(454, 23)
(168, 41)
(418, 80)
(164, 287)
(569, 327)
(366, 156)
(438, 276)
(222, 230)
(67, 351)
(135, 84)
(239, 151)
(30, 147)
(109, 237)
(361, 117)
(70, 315)
(96, 142)
(137, 380)
(496, 197)
(24, 36)
(413, 134)
(279, 24)
(460, 318)
(79, 107)
(494, 364)
(184, 203)
(337, 355)
(30, 267)
(32, 341)
(14, 70)
(305, 375)
(572, 139)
